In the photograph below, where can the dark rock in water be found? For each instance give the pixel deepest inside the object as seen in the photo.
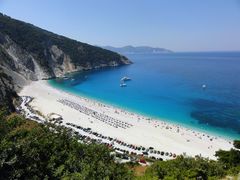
(223, 115)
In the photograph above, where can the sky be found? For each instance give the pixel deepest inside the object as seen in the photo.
(178, 25)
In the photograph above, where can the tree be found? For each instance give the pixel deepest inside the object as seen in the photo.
(236, 144)
(229, 158)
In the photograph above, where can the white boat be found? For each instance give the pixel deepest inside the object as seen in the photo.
(125, 78)
(123, 85)
(204, 86)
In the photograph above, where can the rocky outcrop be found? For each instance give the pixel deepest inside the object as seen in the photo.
(14, 58)
(61, 62)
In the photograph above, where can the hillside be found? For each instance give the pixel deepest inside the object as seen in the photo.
(29, 150)
(137, 50)
(31, 53)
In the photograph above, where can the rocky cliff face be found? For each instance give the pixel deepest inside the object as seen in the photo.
(6, 90)
(29, 53)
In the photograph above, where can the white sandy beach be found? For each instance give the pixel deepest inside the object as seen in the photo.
(143, 132)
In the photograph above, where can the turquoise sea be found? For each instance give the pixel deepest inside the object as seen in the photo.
(170, 87)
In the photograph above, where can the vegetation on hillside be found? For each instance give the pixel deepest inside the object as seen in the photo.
(197, 168)
(35, 151)
(189, 168)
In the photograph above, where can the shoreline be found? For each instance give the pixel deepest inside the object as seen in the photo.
(144, 131)
(200, 129)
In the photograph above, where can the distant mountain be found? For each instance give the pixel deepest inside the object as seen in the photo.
(137, 50)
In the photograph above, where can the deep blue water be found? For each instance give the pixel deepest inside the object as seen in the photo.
(170, 87)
